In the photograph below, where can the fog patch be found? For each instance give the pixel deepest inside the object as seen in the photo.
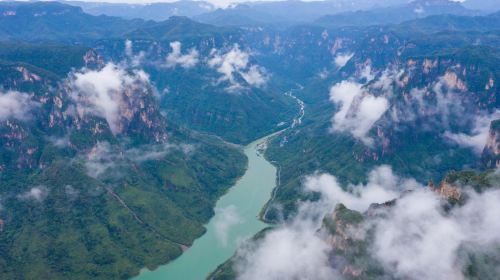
(383, 185)
(16, 105)
(103, 158)
(342, 59)
(226, 218)
(156, 151)
(59, 142)
(188, 60)
(296, 249)
(418, 237)
(101, 92)
(292, 251)
(358, 109)
(235, 65)
(478, 136)
(418, 240)
(36, 194)
(133, 59)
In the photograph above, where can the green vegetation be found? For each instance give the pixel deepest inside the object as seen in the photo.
(60, 221)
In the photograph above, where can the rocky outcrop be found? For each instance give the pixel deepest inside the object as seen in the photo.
(447, 191)
(491, 152)
(341, 227)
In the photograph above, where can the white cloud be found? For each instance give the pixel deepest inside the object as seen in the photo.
(255, 76)
(359, 110)
(342, 58)
(226, 218)
(156, 151)
(102, 92)
(295, 250)
(128, 48)
(418, 240)
(60, 142)
(37, 194)
(478, 136)
(134, 60)
(235, 63)
(383, 185)
(414, 239)
(103, 157)
(366, 73)
(14, 104)
(175, 58)
(290, 252)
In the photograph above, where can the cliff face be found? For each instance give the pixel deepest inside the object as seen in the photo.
(491, 152)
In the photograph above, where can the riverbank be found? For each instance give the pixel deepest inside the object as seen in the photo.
(236, 219)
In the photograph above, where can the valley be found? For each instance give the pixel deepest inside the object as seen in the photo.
(260, 140)
(236, 219)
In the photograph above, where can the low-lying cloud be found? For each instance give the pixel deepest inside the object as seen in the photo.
(358, 109)
(15, 105)
(225, 219)
(383, 185)
(295, 250)
(419, 240)
(233, 65)
(101, 92)
(134, 59)
(155, 151)
(188, 60)
(103, 158)
(477, 138)
(416, 238)
(36, 194)
(342, 58)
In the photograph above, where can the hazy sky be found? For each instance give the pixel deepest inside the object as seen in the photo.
(474, 4)
(219, 3)
(491, 5)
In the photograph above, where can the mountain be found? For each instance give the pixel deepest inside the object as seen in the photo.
(178, 28)
(397, 14)
(283, 12)
(309, 54)
(269, 105)
(151, 11)
(434, 24)
(54, 21)
(123, 189)
(58, 59)
(204, 96)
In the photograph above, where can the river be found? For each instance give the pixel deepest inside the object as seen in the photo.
(236, 216)
(236, 219)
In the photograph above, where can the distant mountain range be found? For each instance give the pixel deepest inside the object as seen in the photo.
(397, 14)
(153, 11)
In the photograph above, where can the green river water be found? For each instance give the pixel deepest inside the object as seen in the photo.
(235, 220)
